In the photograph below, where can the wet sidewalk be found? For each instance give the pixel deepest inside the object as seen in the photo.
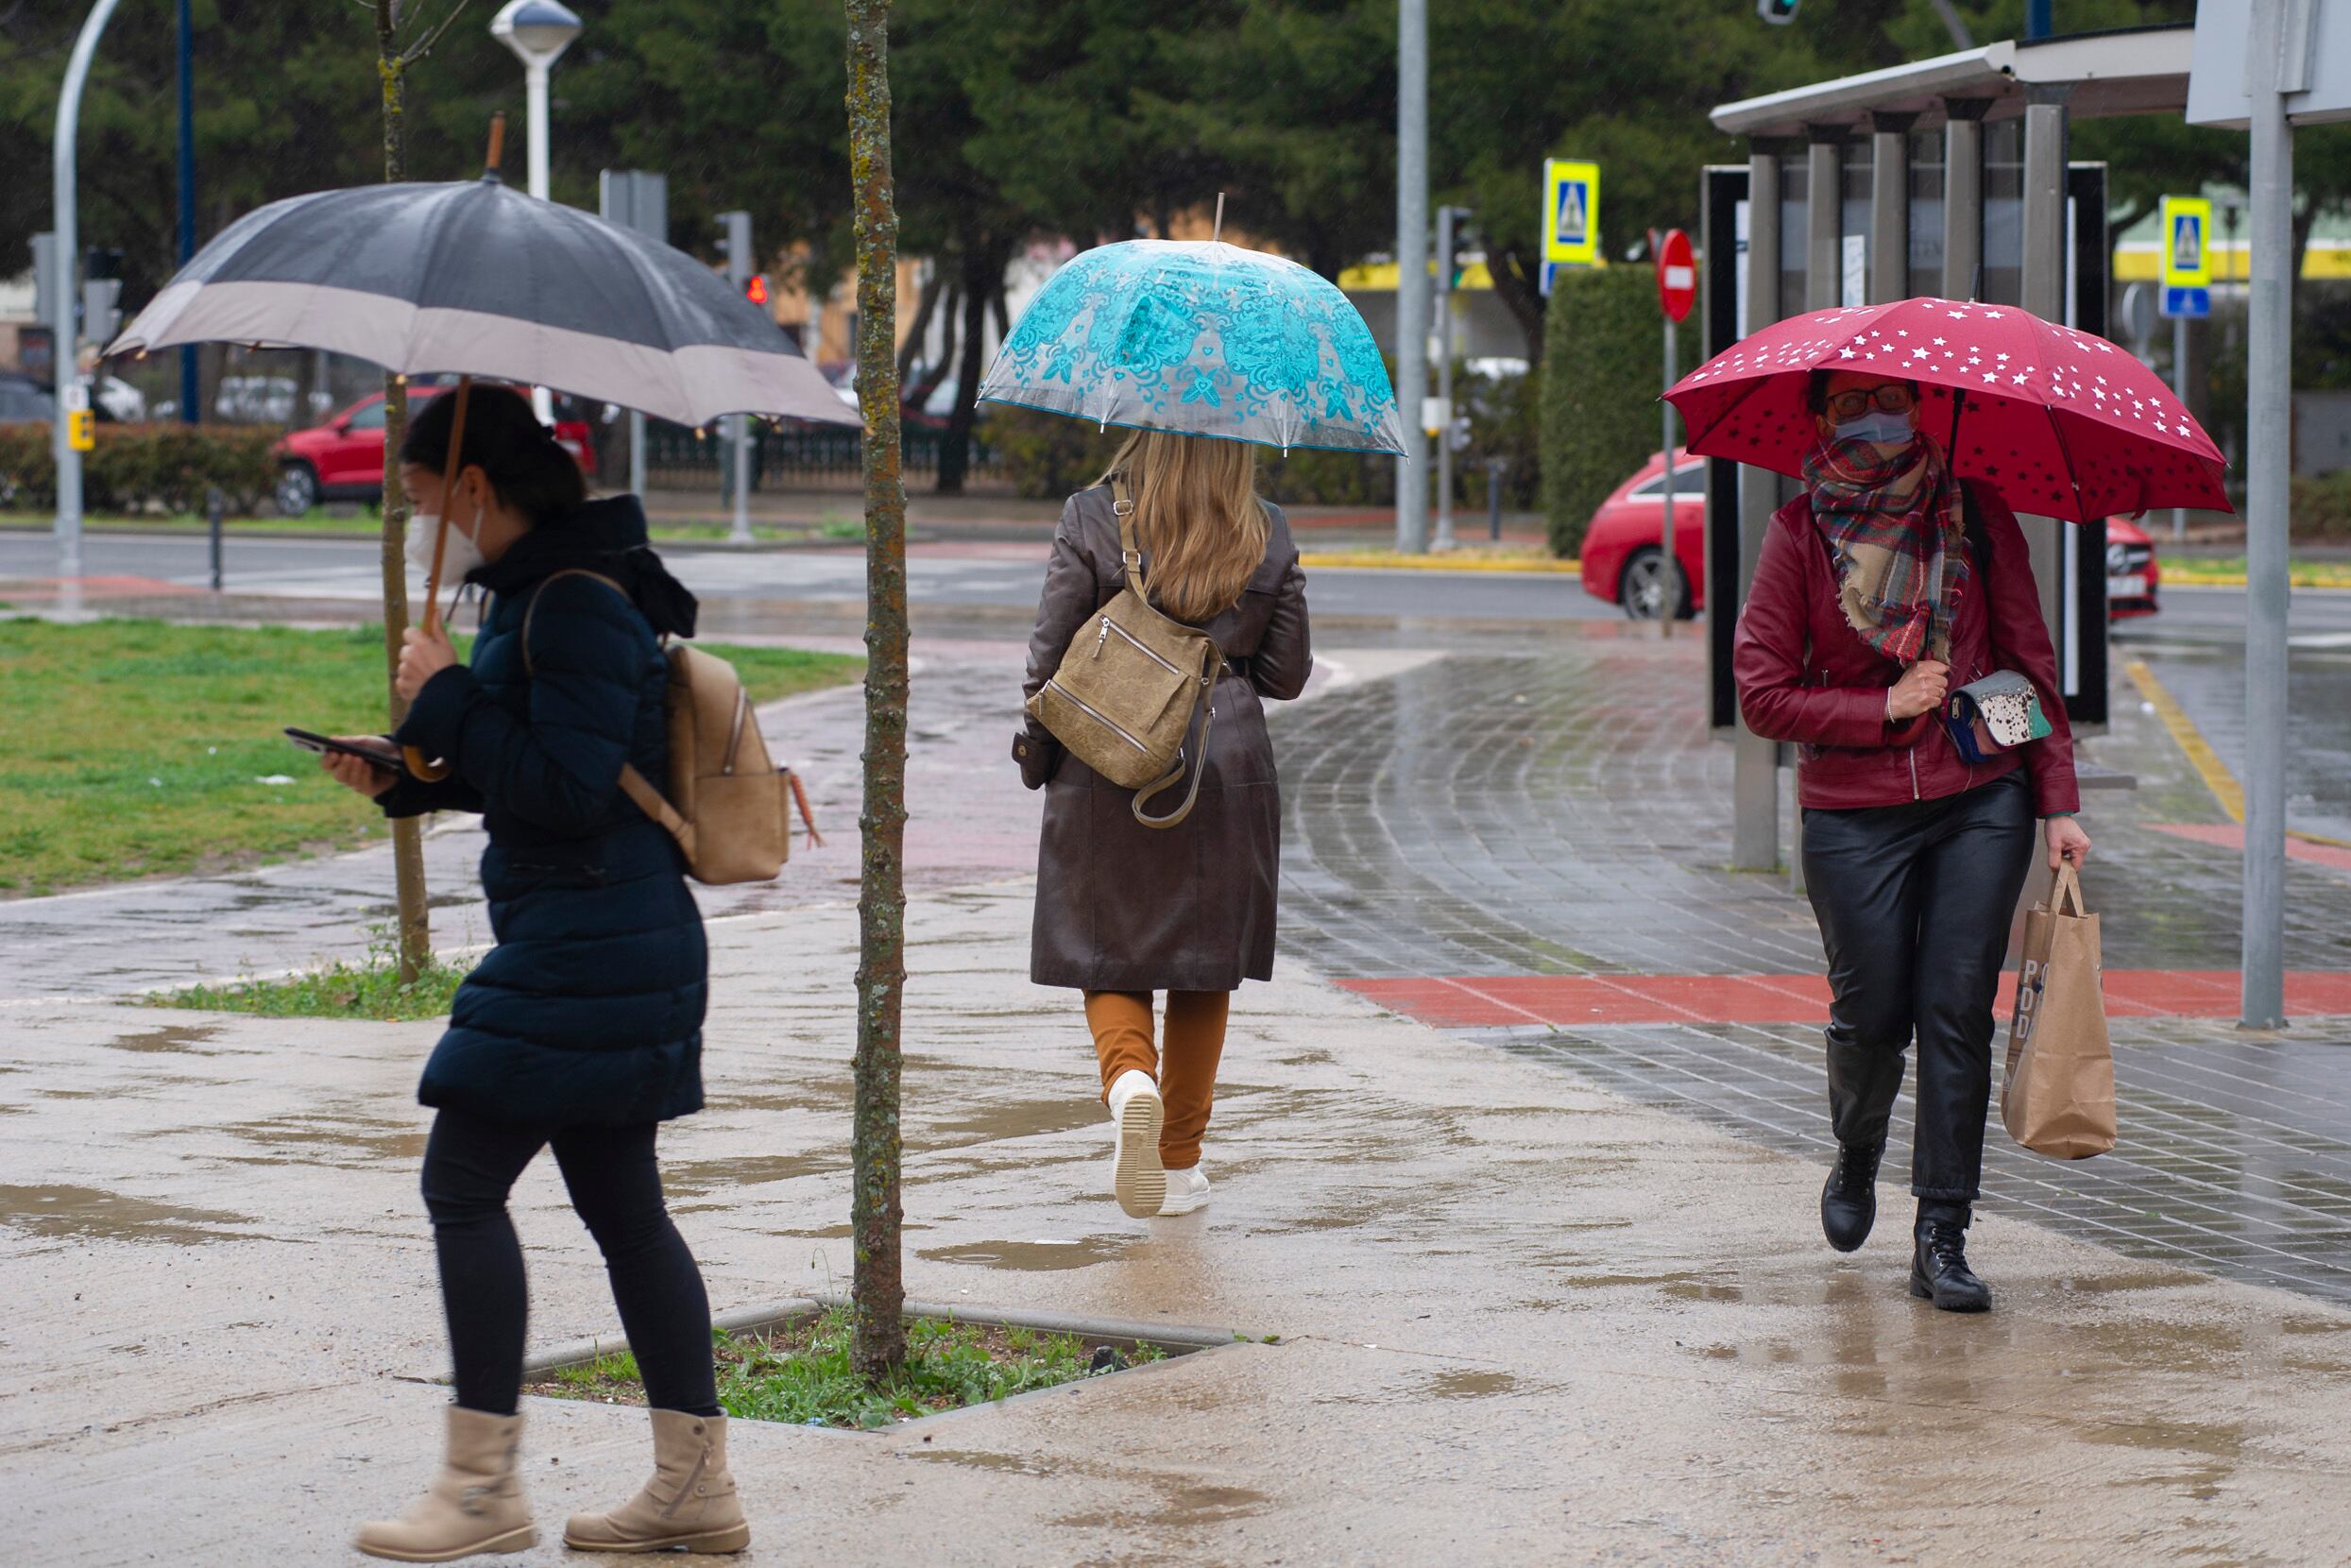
(1516, 1316)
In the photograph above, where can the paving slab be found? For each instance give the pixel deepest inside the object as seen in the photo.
(1518, 1316)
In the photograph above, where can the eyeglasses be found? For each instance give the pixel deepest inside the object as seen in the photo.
(1894, 397)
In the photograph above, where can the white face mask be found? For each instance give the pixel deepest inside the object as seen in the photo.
(460, 556)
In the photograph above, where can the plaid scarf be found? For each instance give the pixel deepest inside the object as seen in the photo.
(1897, 529)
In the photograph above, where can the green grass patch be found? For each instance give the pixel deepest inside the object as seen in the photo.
(141, 748)
(800, 1374)
(370, 989)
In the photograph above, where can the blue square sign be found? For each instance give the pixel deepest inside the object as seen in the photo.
(2195, 303)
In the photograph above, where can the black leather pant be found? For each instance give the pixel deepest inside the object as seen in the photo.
(1914, 903)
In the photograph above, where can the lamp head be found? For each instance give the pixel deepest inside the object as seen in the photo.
(538, 31)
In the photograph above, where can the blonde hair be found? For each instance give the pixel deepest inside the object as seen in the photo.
(1197, 516)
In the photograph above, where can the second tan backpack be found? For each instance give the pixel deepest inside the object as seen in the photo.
(728, 805)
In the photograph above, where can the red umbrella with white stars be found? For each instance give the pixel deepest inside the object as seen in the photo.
(2064, 423)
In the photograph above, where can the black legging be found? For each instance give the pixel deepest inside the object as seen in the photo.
(1914, 903)
(471, 1163)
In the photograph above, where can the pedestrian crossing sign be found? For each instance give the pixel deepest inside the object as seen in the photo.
(2186, 242)
(1571, 222)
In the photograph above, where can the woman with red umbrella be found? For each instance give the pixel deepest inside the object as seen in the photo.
(1888, 585)
(1894, 633)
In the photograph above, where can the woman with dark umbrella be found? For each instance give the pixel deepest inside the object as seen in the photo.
(1882, 588)
(582, 1029)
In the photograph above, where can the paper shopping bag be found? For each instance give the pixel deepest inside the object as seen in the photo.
(2058, 1093)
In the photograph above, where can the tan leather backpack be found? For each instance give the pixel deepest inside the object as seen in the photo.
(728, 805)
(1125, 695)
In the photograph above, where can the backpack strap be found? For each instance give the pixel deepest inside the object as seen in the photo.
(1122, 506)
(634, 784)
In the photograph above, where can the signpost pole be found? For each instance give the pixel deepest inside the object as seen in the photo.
(1412, 271)
(2179, 384)
(1445, 375)
(1671, 574)
(2269, 365)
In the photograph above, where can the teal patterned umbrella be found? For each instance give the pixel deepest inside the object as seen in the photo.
(1202, 338)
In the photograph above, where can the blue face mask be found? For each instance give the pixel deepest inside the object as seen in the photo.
(1890, 430)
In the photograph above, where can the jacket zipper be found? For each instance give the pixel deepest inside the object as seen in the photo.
(1914, 773)
(1097, 715)
(1129, 638)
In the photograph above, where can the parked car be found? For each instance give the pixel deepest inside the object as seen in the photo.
(343, 459)
(1624, 561)
(2133, 574)
(23, 400)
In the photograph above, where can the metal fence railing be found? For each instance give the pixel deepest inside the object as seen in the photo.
(816, 457)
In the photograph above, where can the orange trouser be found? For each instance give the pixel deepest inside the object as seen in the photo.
(1186, 1070)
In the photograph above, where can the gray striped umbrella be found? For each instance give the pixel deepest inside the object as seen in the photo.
(476, 278)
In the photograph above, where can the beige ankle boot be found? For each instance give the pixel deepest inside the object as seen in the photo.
(474, 1505)
(691, 1501)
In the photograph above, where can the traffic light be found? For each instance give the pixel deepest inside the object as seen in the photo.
(755, 289)
(1780, 12)
(100, 317)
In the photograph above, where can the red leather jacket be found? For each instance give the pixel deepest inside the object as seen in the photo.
(1804, 676)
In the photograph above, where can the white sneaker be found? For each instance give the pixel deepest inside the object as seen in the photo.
(1187, 1190)
(1136, 1178)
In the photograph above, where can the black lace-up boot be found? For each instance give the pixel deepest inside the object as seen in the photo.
(1939, 1263)
(1849, 1203)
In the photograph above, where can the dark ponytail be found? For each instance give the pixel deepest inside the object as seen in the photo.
(526, 466)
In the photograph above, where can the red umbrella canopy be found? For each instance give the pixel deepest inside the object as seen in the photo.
(2064, 423)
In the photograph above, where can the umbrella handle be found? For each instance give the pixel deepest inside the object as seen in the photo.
(415, 760)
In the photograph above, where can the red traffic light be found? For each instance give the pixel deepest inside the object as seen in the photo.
(756, 290)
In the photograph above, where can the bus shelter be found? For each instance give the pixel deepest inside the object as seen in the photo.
(1943, 177)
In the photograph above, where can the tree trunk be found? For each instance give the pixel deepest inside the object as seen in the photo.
(979, 281)
(415, 917)
(1521, 294)
(878, 1284)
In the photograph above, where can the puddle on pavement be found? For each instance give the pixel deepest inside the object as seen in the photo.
(1469, 1385)
(175, 1038)
(94, 1214)
(818, 1095)
(692, 1178)
(1020, 1119)
(1032, 1257)
(1003, 1465)
(346, 1143)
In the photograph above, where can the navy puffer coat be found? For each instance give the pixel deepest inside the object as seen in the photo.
(589, 1009)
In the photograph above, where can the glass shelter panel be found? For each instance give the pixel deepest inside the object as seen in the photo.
(2003, 212)
(1926, 212)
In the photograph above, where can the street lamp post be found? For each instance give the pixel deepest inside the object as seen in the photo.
(538, 31)
(64, 352)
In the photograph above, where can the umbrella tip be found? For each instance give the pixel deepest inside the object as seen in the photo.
(498, 144)
(1218, 232)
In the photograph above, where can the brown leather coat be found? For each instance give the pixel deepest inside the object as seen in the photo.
(1121, 907)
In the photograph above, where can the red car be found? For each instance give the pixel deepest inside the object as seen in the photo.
(343, 459)
(1624, 561)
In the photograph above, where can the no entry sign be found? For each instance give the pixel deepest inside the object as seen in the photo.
(1677, 275)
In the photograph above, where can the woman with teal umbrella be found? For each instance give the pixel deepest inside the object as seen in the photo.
(1205, 351)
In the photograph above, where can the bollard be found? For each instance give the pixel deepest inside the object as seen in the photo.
(1493, 497)
(214, 506)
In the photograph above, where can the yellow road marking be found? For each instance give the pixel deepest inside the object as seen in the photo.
(2190, 740)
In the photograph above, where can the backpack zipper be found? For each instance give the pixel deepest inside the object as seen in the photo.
(1131, 640)
(1097, 714)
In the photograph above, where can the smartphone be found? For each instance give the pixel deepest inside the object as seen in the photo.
(322, 744)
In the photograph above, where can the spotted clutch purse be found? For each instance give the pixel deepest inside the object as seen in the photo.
(1998, 713)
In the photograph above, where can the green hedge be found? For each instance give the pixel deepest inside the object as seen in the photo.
(2321, 508)
(135, 469)
(1046, 456)
(1600, 371)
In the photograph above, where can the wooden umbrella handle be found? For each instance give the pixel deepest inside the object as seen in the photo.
(417, 761)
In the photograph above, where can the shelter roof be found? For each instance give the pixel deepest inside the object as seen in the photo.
(2121, 71)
